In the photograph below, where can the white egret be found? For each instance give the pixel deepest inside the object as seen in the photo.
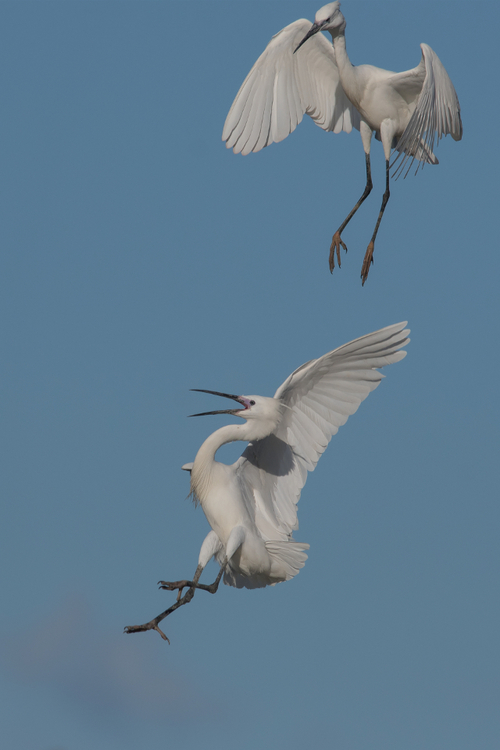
(300, 72)
(251, 506)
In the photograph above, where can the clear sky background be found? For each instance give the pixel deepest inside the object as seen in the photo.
(140, 259)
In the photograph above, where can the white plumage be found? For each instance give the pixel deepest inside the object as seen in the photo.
(300, 73)
(252, 505)
(282, 87)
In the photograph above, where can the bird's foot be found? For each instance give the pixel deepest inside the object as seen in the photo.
(172, 586)
(337, 241)
(368, 260)
(168, 586)
(151, 625)
(177, 585)
(192, 585)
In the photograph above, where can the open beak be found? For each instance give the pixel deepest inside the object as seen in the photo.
(312, 31)
(222, 411)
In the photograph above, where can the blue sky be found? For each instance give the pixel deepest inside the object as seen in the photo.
(141, 259)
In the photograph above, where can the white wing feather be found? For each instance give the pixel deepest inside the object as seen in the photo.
(437, 110)
(283, 86)
(319, 396)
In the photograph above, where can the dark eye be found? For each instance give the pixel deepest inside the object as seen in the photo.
(252, 403)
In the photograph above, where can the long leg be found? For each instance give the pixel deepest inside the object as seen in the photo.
(366, 135)
(368, 260)
(153, 624)
(210, 546)
(180, 585)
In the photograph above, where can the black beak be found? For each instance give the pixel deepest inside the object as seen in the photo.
(216, 393)
(312, 31)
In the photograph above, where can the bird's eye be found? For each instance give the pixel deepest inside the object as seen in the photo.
(252, 403)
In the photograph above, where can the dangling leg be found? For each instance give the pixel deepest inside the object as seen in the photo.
(368, 260)
(153, 624)
(210, 546)
(366, 135)
(174, 585)
(387, 138)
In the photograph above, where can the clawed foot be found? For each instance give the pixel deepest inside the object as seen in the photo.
(169, 586)
(174, 585)
(367, 262)
(152, 625)
(337, 241)
(180, 601)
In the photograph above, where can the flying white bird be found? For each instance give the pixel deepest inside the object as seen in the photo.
(251, 506)
(300, 72)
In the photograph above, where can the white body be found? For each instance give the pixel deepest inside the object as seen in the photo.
(405, 110)
(251, 505)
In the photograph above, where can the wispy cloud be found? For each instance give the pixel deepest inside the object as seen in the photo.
(106, 675)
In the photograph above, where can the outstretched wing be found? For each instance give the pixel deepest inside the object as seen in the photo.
(319, 398)
(436, 113)
(282, 86)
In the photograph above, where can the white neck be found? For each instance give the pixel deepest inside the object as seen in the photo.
(347, 71)
(223, 435)
(205, 458)
(341, 57)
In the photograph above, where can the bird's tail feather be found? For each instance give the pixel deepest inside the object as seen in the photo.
(287, 558)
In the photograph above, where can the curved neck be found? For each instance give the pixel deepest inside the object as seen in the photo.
(205, 458)
(209, 448)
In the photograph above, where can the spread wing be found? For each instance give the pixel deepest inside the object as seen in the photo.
(436, 108)
(282, 86)
(319, 397)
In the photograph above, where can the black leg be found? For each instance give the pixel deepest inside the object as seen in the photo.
(336, 239)
(174, 585)
(193, 585)
(368, 260)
